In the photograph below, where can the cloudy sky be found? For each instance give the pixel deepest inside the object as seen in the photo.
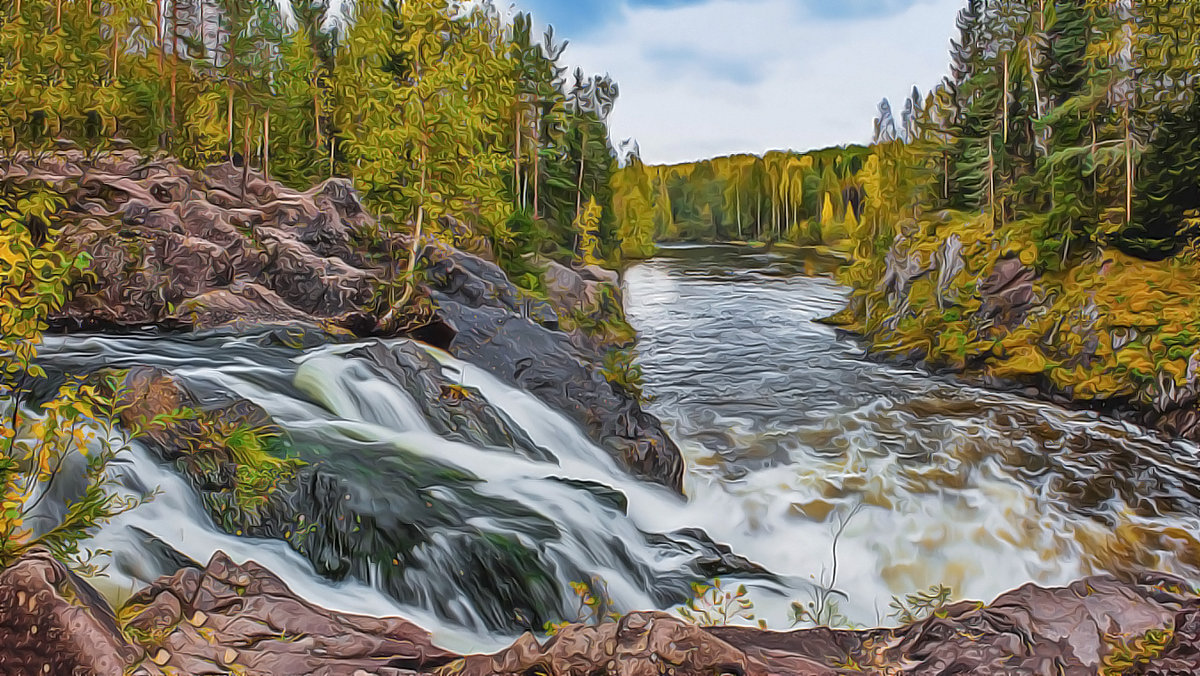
(701, 78)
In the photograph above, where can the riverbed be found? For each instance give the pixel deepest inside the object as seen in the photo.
(849, 480)
(791, 433)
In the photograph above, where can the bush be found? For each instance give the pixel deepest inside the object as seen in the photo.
(78, 423)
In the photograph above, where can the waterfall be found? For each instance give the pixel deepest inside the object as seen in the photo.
(562, 507)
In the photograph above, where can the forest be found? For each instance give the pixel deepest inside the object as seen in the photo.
(784, 197)
(1060, 158)
(432, 108)
(1065, 141)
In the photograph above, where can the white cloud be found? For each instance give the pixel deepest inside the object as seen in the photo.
(731, 76)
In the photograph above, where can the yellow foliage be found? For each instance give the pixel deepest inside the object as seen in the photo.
(587, 226)
(34, 280)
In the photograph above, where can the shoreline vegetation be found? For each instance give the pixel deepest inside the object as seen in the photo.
(1031, 222)
(1032, 219)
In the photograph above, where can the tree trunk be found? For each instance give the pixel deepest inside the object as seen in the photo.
(517, 156)
(1037, 95)
(579, 186)
(266, 160)
(160, 31)
(1004, 100)
(945, 175)
(245, 156)
(389, 318)
(737, 191)
(1128, 170)
(229, 116)
(579, 191)
(174, 64)
(537, 177)
(116, 47)
(317, 115)
(992, 181)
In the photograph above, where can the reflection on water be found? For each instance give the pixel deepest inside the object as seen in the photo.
(786, 428)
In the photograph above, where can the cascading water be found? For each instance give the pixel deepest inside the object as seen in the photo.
(787, 431)
(558, 510)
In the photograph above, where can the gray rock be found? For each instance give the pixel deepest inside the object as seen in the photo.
(492, 330)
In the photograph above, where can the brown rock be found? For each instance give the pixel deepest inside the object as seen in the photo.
(258, 625)
(175, 248)
(641, 644)
(52, 622)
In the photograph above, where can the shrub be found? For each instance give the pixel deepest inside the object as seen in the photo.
(79, 422)
(712, 605)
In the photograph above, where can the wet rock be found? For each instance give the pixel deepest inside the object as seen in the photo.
(495, 328)
(52, 622)
(454, 412)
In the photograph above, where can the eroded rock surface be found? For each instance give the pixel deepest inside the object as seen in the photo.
(495, 328)
(52, 622)
(230, 618)
(172, 247)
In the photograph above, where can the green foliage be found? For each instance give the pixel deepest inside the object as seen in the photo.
(77, 426)
(621, 369)
(594, 606)
(254, 460)
(712, 605)
(1125, 653)
(433, 107)
(920, 605)
(824, 608)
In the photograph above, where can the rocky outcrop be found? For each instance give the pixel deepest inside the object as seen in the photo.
(495, 327)
(52, 622)
(230, 618)
(172, 248)
(1107, 331)
(239, 618)
(176, 248)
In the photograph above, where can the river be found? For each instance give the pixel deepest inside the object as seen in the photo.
(789, 431)
(791, 437)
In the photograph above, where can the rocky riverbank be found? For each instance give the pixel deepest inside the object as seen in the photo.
(227, 618)
(1111, 332)
(176, 250)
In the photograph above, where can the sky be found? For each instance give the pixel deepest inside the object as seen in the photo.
(703, 78)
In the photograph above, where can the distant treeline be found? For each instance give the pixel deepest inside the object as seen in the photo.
(801, 198)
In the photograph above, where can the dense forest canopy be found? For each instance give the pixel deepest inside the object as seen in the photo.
(434, 108)
(1076, 117)
(780, 197)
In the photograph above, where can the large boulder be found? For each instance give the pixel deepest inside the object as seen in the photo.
(175, 248)
(497, 327)
(240, 618)
(53, 623)
(1096, 625)
(231, 618)
(640, 644)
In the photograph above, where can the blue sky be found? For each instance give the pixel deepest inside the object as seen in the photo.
(710, 77)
